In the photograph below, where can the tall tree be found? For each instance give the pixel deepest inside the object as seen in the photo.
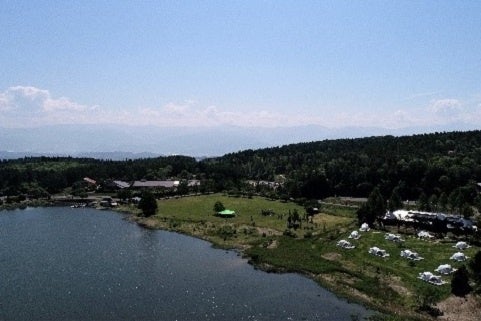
(218, 207)
(475, 268)
(443, 201)
(395, 201)
(374, 208)
(433, 202)
(460, 282)
(423, 202)
(148, 204)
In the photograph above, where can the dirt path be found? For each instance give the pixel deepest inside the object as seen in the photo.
(460, 309)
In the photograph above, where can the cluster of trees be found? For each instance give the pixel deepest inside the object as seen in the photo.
(467, 279)
(148, 204)
(373, 210)
(41, 176)
(441, 170)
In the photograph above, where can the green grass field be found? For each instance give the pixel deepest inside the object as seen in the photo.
(201, 208)
(389, 284)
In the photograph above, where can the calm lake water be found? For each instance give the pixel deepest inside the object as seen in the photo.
(85, 264)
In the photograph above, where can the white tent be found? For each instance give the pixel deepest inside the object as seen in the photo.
(459, 256)
(425, 235)
(431, 278)
(354, 235)
(411, 255)
(364, 227)
(393, 237)
(445, 269)
(461, 245)
(378, 252)
(345, 244)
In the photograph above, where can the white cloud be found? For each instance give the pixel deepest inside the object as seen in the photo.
(3, 103)
(189, 113)
(446, 107)
(63, 103)
(433, 113)
(27, 100)
(24, 106)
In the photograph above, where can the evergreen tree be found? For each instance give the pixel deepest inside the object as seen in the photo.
(433, 202)
(364, 215)
(467, 211)
(374, 208)
(423, 202)
(395, 201)
(148, 204)
(443, 201)
(475, 268)
(218, 207)
(460, 282)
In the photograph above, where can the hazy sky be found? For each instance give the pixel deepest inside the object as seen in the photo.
(248, 63)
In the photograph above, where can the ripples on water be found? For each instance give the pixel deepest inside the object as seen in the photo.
(84, 264)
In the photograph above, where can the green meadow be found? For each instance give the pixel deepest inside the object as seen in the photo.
(388, 284)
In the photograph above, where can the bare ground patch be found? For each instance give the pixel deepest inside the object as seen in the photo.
(332, 256)
(460, 309)
(394, 282)
(273, 245)
(332, 281)
(267, 231)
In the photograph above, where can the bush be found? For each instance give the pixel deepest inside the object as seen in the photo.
(475, 267)
(460, 282)
(289, 233)
(148, 204)
(427, 297)
(308, 235)
(226, 231)
(218, 207)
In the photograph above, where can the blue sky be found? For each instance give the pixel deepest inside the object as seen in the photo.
(246, 63)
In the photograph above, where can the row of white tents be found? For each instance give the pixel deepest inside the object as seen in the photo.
(429, 277)
(445, 269)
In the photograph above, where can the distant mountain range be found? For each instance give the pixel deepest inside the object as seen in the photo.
(118, 142)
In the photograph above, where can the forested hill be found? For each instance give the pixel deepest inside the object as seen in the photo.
(429, 164)
(444, 167)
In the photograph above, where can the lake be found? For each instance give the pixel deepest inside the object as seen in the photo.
(86, 264)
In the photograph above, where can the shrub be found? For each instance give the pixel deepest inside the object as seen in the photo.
(460, 282)
(218, 207)
(290, 233)
(148, 204)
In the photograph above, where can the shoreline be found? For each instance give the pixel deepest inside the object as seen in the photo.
(157, 223)
(328, 280)
(379, 311)
(383, 310)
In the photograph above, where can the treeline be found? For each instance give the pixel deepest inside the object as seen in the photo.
(40, 176)
(432, 167)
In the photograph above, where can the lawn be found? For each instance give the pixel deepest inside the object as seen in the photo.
(434, 253)
(388, 283)
(194, 215)
(248, 212)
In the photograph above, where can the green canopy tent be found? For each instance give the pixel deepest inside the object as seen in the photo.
(226, 213)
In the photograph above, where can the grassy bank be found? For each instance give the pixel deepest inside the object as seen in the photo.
(387, 284)
(195, 216)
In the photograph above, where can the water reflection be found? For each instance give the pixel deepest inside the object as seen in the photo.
(83, 264)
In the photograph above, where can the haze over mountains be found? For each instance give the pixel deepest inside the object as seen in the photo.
(121, 142)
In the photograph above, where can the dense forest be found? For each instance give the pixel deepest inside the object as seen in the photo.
(439, 169)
